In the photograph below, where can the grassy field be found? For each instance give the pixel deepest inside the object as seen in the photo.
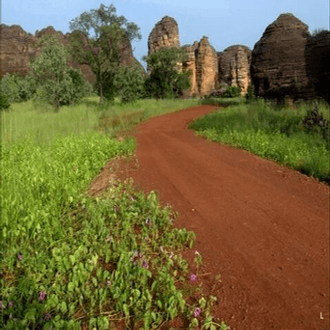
(69, 261)
(272, 132)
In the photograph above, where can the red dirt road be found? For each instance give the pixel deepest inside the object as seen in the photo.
(263, 227)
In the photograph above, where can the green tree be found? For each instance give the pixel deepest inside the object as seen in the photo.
(57, 84)
(165, 79)
(129, 81)
(95, 40)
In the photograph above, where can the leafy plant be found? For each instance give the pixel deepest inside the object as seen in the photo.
(129, 83)
(4, 102)
(165, 79)
(233, 91)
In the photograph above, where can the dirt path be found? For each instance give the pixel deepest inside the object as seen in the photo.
(263, 227)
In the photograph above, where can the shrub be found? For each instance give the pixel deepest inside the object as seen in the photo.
(129, 82)
(4, 102)
(314, 122)
(165, 80)
(250, 95)
(233, 91)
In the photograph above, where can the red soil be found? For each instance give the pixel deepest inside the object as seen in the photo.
(263, 227)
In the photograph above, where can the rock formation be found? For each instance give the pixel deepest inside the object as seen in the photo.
(278, 65)
(234, 67)
(190, 65)
(317, 55)
(206, 68)
(16, 49)
(164, 34)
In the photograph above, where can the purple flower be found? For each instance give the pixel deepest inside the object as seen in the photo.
(193, 277)
(197, 312)
(144, 264)
(42, 295)
(19, 257)
(11, 304)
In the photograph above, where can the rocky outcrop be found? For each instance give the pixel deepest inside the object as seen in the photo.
(278, 65)
(317, 55)
(234, 67)
(164, 34)
(16, 49)
(190, 65)
(206, 68)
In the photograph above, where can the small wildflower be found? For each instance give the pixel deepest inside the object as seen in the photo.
(47, 316)
(11, 304)
(148, 222)
(108, 283)
(19, 257)
(196, 252)
(136, 253)
(144, 264)
(109, 239)
(193, 277)
(42, 295)
(2, 306)
(197, 312)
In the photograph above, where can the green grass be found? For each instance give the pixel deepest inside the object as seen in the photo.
(69, 260)
(271, 132)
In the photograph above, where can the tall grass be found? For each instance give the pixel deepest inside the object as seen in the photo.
(270, 131)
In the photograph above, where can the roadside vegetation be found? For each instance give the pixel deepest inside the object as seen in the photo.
(297, 137)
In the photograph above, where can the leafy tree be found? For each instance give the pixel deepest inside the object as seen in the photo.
(57, 84)
(165, 79)
(100, 48)
(18, 88)
(129, 81)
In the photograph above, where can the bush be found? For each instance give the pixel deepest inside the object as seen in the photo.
(250, 94)
(17, 88)
(233, 91)
(314, 122)
(4, 102)
(129, 82)
(165, 80)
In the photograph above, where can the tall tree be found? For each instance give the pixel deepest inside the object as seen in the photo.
(95, 40)
(56, 83)
(165, 79)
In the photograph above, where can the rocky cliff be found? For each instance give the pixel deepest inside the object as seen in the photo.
(16, 49)
(234, 67)
(164, 34)
(278, 65)
(317, 55)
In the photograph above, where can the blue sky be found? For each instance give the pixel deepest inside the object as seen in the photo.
(225, 22)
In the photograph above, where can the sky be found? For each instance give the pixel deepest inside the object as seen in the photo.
(224, 22)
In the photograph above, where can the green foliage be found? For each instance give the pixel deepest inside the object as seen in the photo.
(95, 19)
(4, 102)
(57, 84)
(101, 49)
(129, 83)
(17, 88)
(233, 91)
(250, 94)
(279, 135)
(165, 80)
